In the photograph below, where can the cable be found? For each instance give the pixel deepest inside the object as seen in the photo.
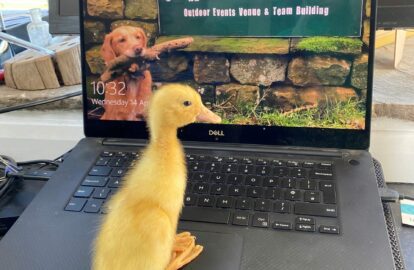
(390, 195)
(28, 177)
(39, 161)
(39, 102)
(11, 171)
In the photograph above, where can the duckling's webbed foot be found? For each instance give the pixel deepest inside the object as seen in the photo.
(184, 251)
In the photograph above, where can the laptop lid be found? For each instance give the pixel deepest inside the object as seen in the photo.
(294, 73)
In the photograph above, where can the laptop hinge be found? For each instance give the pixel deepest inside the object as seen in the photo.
(124, 142)
(291, 150)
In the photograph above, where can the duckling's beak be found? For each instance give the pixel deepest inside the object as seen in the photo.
(207, 116)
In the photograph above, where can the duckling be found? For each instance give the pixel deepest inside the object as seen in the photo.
(139, 232)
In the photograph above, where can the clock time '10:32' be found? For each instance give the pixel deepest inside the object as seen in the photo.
(110, 88)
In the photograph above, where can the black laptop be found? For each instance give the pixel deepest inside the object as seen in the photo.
(284, 182)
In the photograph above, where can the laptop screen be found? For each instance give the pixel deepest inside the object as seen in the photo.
(258, 64)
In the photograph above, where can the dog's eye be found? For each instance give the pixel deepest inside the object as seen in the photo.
(138, 37)
(122, 40)
(187, 103)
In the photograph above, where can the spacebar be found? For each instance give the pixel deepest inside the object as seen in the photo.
(205, 215)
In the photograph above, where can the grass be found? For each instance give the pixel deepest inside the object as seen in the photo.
(234, 45)
(340, 115)
(330, 45)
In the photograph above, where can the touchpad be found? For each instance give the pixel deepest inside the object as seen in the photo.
(222, 251)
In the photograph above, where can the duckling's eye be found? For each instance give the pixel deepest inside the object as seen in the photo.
(187, 103)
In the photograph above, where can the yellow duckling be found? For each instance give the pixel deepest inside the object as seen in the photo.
(139, 232)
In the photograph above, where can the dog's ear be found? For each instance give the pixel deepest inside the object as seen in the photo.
(107, 52)
(144, 36)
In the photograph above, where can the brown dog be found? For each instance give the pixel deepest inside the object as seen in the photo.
(127, 96)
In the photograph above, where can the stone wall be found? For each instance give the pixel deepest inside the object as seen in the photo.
(282, 73)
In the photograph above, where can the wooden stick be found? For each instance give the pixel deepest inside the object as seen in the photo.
(299, 109)
(121, 64)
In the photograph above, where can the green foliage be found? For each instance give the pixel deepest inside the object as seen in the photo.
(330, 45)
(336, 115)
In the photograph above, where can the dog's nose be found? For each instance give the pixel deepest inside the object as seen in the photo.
(137, 50)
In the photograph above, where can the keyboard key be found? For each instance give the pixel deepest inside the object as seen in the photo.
(312, 196)
(312, 209)
(229, 168)
(254, 192)
(244, 203)
(201, 188)
(305, 220)
(107, 154)
(218, 189)
(308, 164)
(278, 163)
(93, 206)
(189, 157)
(307, 184)
(190, 199)
(305, 227)
(280, 171)
(298, 172)
(292, 163)
(201, 177)
(225, 202)
(217, 178)
(263, 170)
(293, 195)
(121, 154)
(241, 218)
(236, 190)
(114, 182)
(273, 193)
(261, 161)
(102, 161)
(196, 166)
(328, 189)
(204, 158)
(253, 180)
(281, 207)
(325, 166)
(321, 174)
(248, 160)
(206, 201)
(95, 181)
(233, 160)
(218, 159)
(281, 225)
(329, 229)
(288, 182)
(83, 192)
(118, 172)
(270, 182)
(117, 162)
(212, 167)
(235, 179)
(101, 193)
(260, 220)
(246, 169)
(100, 171)
(211, 215)
(75, 204)
(262, 205)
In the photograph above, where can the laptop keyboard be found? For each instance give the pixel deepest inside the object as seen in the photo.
(264, 193)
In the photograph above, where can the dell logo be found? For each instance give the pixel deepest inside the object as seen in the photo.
(216, 132)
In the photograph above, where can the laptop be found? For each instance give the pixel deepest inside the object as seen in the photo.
(284, 182)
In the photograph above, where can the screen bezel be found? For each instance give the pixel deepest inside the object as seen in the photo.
(274, 135)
